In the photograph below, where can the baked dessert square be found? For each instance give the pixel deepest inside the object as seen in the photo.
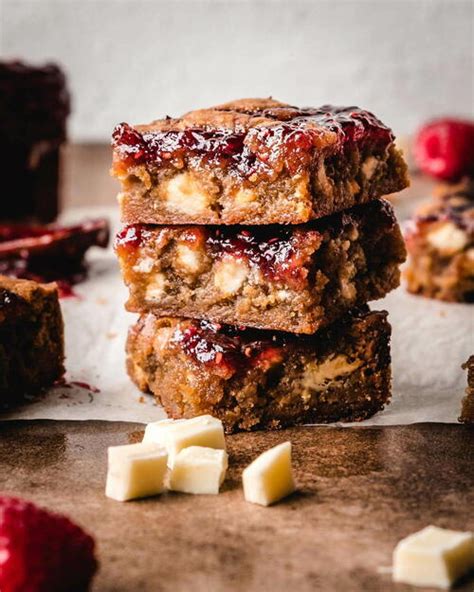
(252, 379)
(440, 244)
(31, 339)
(254, 161)
(286, 278)
(467, 412)
(34, 105)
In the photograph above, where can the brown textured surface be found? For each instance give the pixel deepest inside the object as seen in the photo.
(361, 490)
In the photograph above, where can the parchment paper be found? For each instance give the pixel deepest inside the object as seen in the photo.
(430, 342)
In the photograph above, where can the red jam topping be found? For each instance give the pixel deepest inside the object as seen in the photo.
(50, 253)
(229, 349)
(266, 149)
(280, 253)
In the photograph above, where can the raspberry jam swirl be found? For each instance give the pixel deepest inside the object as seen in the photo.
(263, 150)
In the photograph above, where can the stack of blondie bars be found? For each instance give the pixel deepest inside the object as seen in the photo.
(254, 236)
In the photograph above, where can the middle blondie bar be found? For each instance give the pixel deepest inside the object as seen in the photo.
(294, 279)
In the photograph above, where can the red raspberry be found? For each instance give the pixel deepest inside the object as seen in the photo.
(41, 551)
(444, 149)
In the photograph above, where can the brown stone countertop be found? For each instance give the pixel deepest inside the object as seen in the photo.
(360, 491)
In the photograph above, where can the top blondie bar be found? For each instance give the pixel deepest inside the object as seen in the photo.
(254, 161)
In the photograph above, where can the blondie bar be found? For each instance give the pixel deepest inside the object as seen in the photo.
(34, 105)
(254, 379)
(31, 338)
(440, 243)
(287, 278)
(254, 161)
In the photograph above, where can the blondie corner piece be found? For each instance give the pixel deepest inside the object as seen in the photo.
(467, 412)
(31, 339)
(253, 379)
(440, 243)
(294, 279)
(254, 161)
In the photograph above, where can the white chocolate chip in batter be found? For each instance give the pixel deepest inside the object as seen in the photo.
(188, 259)
(183, 194)
(156, 287)
(317, 375)
(448, 238)
(144, 265)
(369, 165)
(230, 274)
(244, 197)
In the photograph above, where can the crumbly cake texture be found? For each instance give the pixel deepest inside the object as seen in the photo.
(287, 278)
(467, 412)
(253, 379)
(254, 161)
(440, 244)
(34, 105)
(31, 339)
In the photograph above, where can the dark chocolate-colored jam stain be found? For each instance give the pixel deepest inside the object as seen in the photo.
(50, 253)
(265, 149)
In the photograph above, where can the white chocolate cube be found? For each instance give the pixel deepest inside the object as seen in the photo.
(136, 470)
(269, 477)
(434, 557)
(199, 470)
(204, 430)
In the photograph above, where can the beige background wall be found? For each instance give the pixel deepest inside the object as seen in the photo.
(139, 59)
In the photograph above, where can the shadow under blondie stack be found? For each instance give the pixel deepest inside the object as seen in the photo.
(254, 235)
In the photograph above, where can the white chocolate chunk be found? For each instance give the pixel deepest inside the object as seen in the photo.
(448, 238)
(144, 265)
(243, 197)
(156, 287)
(198, 469)
(369, 165)
(434, 557)
(269, 477)
(188, 259)
(184, 195)
(135, 470)
(317, 375)
(204, 430)
(230, 274)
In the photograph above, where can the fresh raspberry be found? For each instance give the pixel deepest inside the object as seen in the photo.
(444, 149)
(41, 551)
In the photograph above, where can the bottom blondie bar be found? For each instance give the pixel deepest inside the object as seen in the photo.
(254, 379)
(31, 338)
